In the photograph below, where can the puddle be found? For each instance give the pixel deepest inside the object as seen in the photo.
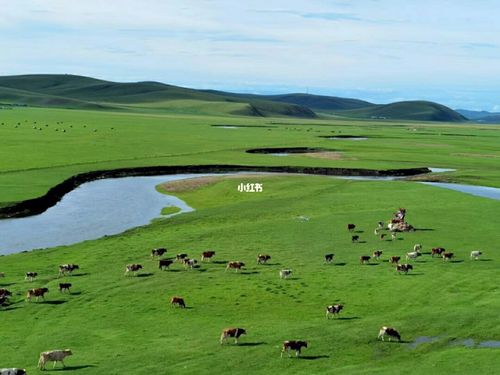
(423, 340)
(280, 154)
(440, 170)
(489, 344)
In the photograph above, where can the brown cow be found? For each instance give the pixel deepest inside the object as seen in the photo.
(377, 254)
(235, 265)
(329, 258)
(232, 332)
(447, 256)
(404, 268)
(132, 268)
(364, 258)
(164, 263)
(30, 276)
(207, 255)
(333, 309)
(390, 332)
(437, 251)
(394, 259)
(37, 292)
(293, 345)
(64, 286)
(158, 252)
(177, 301)
(351, 227)
(263, 258)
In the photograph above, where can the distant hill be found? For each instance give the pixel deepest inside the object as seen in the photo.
(481, 116)
(71, 91)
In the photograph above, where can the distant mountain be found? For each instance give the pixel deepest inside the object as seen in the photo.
(481, 116)
(70, 91)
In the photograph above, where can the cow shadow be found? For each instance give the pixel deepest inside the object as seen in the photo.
(456, 261)
(358, 241)
(424, 229)
(348, 318)
(313, 357)
(340, 264)
(79, 274)
(8, 308)
(201, 269)
(270, 264)
(149, 274)
(73, 368)
(248, 272)
(485, 260)
(7, 284)
(57, 302)
(171, 270)
(75, 293)
(414, 274)
(251, 343)
(219, 262)
(359, 231)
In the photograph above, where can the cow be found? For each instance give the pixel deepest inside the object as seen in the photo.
(30, 276)
(380, 225)
(413, 255)
(417, 247)
(2, 274)
(329, 258)
(296, 345)
(67, 268)
(404, 268)
(12, 371)
(37, 292)
(4, 300)
(164, 263)
(263, 258)
(177, 301)
(5, 293)
(355, 238)
(181, 257)
(364, 258)
(236, 265)
(377, 254)
(437, 251)
(132, 268)
(333, 309)
(232, 332)
(209, 254)
(64, 287)
(189, 263)
(394, 259)
(475, 254)
(376, 231)
(390, 332)
(351, 227)
(447, 256)
(158, 252)
(382, 237)
(53, 355)
(286, 273)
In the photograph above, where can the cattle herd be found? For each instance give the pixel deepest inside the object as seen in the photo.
(396, 225)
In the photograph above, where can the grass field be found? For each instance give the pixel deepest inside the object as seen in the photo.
(116, 324)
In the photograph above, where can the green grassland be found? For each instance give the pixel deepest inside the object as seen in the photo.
(117, 324)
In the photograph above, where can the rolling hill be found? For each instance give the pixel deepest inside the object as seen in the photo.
(71, 91)
(481, 116)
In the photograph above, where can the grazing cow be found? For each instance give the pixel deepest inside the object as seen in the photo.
(285, 274)
(394, 259)
(53, 355)
(12, 371)
(30, 276)
(390, 332)
(355, 238)
(235, 265)
(364, 258)
(37, 292)
(382, 236)
(232, 332)
(293, 345)
(67, 268)
(207, 255)
(377, 254)
(437, 251)
(177, 301)
(351, 227)
(181, 257)
(158, 252)
(404, 268)
(5, 293)
(189, 263)
(263, 258)
(2, 274)
(329, 258)
(413, 255)
(447, 256)
(132, 268)
(164, 263)
(333, 309)
(64, 286)
(4, 301)
(417, 247)
(475, 254)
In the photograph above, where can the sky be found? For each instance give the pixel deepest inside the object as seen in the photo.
(377, 50)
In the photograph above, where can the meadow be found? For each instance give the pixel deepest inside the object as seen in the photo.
(116, 324)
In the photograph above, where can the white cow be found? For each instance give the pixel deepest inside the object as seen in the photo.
(413, 255)
(12, 371)
(475, 254)
(53, 355)
(285, 274)
(417, 247)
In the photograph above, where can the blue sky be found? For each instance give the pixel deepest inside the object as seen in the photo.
(377, 50)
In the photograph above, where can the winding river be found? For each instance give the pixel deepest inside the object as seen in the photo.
(111, 206)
